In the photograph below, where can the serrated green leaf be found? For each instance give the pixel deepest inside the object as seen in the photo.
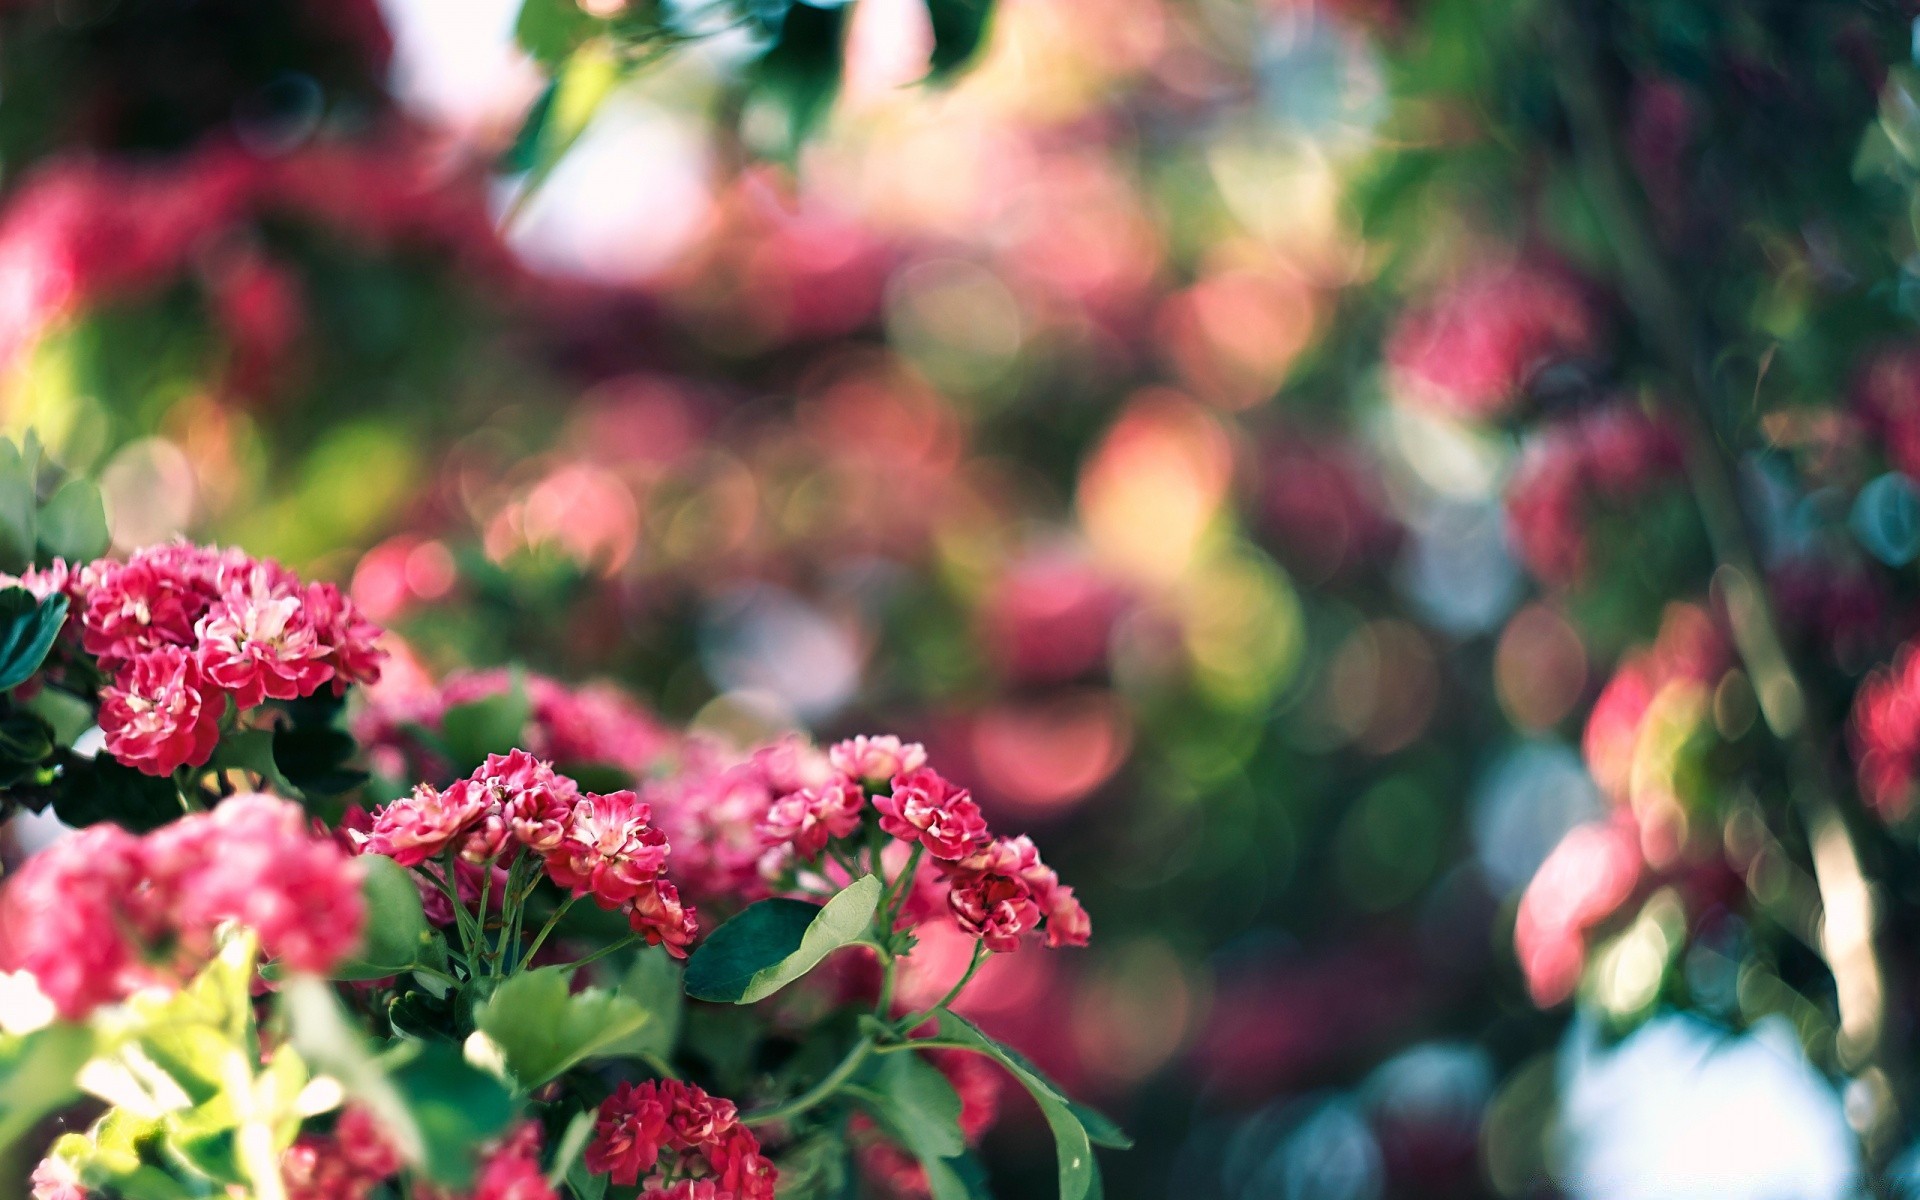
(73, 523)
(774, 942)
(542, 1029)
(655, 982)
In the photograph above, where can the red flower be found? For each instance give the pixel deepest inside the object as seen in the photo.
(925, 808)
(161, 712)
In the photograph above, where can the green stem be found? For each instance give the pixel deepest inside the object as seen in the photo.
(908, 1022)
(925, 1044)
(540, 939)
(610, 948)
(819, 1093)
(445, 882)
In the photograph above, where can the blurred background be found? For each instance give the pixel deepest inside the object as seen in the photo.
(1303, 460)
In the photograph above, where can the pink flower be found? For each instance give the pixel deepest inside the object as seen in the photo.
(161, 712)
(997, 909)
(657, 914)
(876, 758)
(1589, 875)
(609, 850)
(510, 1170)
(1602, 460)
(1884, 734)
(418, 827)
(262, 643)
(136, 607)
(54, 1179)
(352, 642)
(254, 860)
(60, 920)
(537, 801)
(809, 818)
(631, 1130)
(925, 808)
(1472, 348)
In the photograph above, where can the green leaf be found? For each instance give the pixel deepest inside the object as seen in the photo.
(791, 88)
(921, 1108)
(493, 725)
(37, 1076)
(541, 1029)
(567, 1155)
(774, 942)
(398, 937)
(1079, 1173)
(17, 507)
(654, 982)
(584, 1184)
(959, 31)
(27, 629)
(251, 750)
(550, 29)
(101, 789)
(73, 523)
(434, 1106)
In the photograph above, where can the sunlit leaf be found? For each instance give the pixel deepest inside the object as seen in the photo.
(774, 942)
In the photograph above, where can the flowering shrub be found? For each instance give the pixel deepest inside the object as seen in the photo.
(296, 996)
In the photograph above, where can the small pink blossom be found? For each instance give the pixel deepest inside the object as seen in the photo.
(421, 826)
(811, 817)
(609, 851)
(657, 914)
(262, 644)
(876, 758)
(161, 712)
(925, 808)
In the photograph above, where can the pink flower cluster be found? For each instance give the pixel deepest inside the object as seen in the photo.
(346, 1164)
(1884, 734)
(603, 846)
(182, 630)
(104, 912)
(80, 231)
(996, 887)
(1606, 456)
(54, 1179)
(714, 806)
(1471, 349)
(684, 1143)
